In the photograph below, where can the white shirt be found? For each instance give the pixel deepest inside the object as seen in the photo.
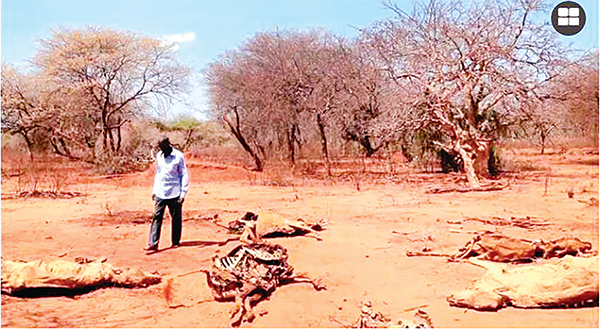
(171, 176)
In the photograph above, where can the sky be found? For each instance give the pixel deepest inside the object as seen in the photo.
(204, 29)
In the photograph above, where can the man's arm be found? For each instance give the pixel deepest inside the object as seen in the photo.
(184, 180)
(156, 185)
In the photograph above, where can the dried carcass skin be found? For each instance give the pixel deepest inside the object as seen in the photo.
(501, 248)
(566, 282)
(254, 227)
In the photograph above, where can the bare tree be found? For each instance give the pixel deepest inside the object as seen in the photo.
(374, 113)
(566, 106)
(235, 100)
(17, 106)
(467, 69)
(277, 85)
(112, 74)
(576, 93)
(33, 107)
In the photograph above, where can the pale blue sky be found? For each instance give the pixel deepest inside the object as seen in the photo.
(206, 28)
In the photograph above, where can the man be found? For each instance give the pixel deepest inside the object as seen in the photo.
(170, 188)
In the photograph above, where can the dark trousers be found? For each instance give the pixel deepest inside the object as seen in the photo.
(159, 211)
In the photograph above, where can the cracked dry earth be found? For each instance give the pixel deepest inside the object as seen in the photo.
(359, 258)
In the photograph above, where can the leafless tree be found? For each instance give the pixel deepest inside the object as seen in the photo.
(276, 86)
(467, 69)
(374, 113)
(576, 92)
(112, 74)
(33, 106)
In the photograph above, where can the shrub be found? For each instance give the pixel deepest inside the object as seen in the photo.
(495, 164)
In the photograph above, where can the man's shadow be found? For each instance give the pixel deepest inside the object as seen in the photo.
(196, 244)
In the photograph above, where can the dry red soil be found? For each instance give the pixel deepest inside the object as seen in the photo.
(360, 258)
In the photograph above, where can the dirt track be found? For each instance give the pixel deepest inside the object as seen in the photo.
(359, 258)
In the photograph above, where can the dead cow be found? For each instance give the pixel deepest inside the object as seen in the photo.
(566, 282)
(254, 227)
(68, 278)
(250, 273)
(500, 248)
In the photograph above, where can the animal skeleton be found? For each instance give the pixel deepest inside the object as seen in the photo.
(250, 273)
(369, 318)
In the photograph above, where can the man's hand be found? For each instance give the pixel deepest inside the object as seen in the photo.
(153, 197)
(181, 199)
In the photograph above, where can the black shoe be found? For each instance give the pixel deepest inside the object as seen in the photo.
(151, 248)
(174, 246)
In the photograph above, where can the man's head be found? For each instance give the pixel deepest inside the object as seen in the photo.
(165, 146)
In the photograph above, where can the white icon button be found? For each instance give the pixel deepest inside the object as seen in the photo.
(573, 12)
(568, 16)
(563, 21)
(574, 21)
(563, 12)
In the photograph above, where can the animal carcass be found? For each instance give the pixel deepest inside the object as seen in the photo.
(63, 277)
(565, 282)
(250, 273)
(500, 248)
(254, 227)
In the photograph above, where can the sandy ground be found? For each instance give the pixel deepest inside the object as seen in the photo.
(359, 258)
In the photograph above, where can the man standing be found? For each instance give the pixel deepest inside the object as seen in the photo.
(170, 188)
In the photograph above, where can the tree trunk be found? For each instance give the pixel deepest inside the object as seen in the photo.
(104, 130)
(260, 150)
(291, 139)
(29, 145)
(104, 139)
(236, 131)
(324, 143)
(468, 164)
(369, 149)
(543, 138)
(482, 156)
(65, 147)
(57, 143)
(111, 139)
(119, 138)
(189, 139)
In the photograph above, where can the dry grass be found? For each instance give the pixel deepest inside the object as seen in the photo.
(46, 177)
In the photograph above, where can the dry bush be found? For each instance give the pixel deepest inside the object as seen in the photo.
(226, 154)
(516, 166)
(42, 178)
(426, 161)
(136, 154)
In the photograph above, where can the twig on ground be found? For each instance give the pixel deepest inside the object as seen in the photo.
(526, 222)
(413, 308)
(461, 189)
(331, 318)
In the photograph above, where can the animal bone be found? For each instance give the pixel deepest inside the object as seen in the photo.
(369, 318)
(250, 273)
